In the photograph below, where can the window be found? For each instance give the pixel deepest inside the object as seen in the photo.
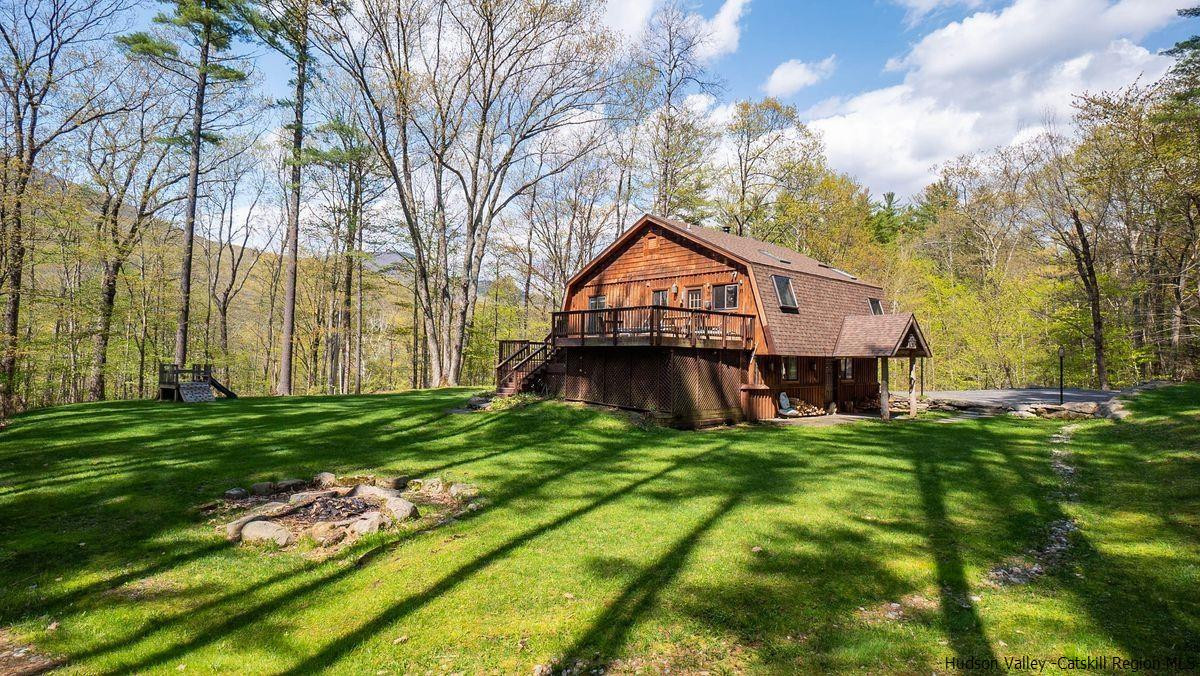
(846, 369)
(725, 297)
(811, 376)
(695, 298)
(658, 297)
(876, 306)
(783, 287)
(791, 368)
(595, 323)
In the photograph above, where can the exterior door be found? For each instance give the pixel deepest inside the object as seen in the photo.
(594, 321)
(830, 382)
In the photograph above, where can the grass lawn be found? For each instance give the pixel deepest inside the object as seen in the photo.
(603, 542)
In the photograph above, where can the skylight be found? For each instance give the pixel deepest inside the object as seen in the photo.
(840, 272)
(783, 288)
(768, 254)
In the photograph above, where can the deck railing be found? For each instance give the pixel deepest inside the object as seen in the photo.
(173, 374)
(517, 359)
(653, 325)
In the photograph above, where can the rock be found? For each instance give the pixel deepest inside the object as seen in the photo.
(476, 505)
(325, 480)
(1022, 414)
(463, 491)
(432, 485)
(400, 509)
(326, 534)
(237, 494)
(233, 529)
(479, 403)
(1065, 414)
(1085, 407)
(266, 531)
(369, 491)
(368, 523)
(289, 485)
(396, 483)
(263, 488)
(306, 498)
(53, 626)
(542, 670)
(756, 549)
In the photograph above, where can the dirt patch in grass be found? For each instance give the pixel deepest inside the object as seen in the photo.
(17, 658)
(910, 607)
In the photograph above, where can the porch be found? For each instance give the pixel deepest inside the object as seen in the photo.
(653, 326)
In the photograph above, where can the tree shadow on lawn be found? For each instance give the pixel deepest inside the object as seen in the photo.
(121, 517)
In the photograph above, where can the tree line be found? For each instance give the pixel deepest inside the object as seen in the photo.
(440, 168)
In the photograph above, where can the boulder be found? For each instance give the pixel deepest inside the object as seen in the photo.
(1065, 414)
(1022, 414)
(289, 485)
(399, 509)
(237, 494)
(396, 483)
(266, 531)
(326, 534)
(370, 522)
(233, 529)
(369, 491)
(1085, 407)
(263, 488)
(306, 498)
(325, 480)
(479, 403)
(430, 485)
(463, 491)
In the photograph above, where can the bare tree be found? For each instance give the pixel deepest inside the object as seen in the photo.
(132, 166)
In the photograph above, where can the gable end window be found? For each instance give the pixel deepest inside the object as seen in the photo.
(783, 288)
(725, 297)
(876, 306)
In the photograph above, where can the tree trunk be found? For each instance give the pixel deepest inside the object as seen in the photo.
(108, 294)
(189, 224)
(1085, 265)
(284, 386)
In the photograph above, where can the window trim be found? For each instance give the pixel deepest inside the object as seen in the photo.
(724, 290)
(845, 365)
(795, 362)
(779, 292)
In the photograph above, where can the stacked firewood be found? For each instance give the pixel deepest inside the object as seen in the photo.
(806, 409)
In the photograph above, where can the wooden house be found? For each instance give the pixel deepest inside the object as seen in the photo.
(696, 325)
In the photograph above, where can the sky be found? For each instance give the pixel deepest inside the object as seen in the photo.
(897, 87)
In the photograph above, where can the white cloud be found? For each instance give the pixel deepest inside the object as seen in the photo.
(791, 76)
(628, 18)
(987, 81)
(919, 9)
(724, 30)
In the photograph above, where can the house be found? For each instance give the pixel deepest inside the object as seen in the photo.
(696, 325)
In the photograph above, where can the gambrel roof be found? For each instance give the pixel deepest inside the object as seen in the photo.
(826, 297)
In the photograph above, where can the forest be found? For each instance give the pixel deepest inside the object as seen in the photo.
(442, 167)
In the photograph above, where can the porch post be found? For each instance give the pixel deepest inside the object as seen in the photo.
(883, 390)
(912, 387)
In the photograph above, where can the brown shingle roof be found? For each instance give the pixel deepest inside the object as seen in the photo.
(813, 328)
(876, 335)
(762, 253)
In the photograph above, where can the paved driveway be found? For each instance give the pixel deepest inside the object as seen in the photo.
(1014, 397)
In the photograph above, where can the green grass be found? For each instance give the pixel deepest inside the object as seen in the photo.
(604, 541)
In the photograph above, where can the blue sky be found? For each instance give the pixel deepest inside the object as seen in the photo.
(897, 87)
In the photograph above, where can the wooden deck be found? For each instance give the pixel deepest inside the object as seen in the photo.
(653, 326)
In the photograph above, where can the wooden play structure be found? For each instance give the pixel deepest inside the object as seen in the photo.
(189, 383)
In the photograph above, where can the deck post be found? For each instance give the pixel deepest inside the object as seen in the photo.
(912, 387)
(883, 390)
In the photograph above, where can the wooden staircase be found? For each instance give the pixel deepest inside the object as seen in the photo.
(523, 365)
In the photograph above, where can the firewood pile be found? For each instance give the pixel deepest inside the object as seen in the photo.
(806, 409)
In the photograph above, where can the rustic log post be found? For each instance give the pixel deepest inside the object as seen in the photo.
(912, 387)
(884, 412)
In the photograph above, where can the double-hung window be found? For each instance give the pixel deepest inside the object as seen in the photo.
(658, 297)
(846, 369)
(791, 368)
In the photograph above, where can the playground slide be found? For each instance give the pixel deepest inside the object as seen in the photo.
(229, 394)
